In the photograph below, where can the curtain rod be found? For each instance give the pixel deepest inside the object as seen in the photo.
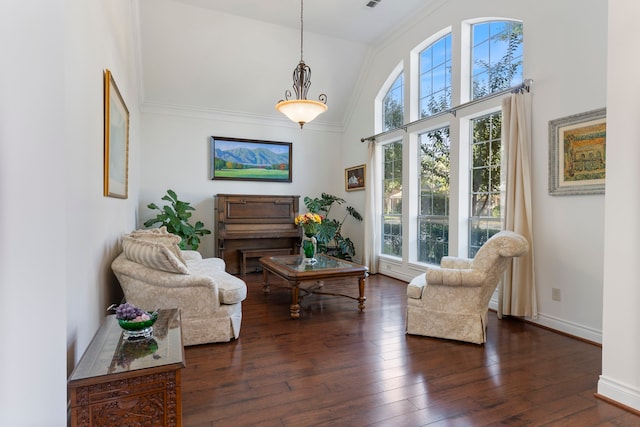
(524, 86)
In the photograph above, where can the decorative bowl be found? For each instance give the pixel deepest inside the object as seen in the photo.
(141, 329)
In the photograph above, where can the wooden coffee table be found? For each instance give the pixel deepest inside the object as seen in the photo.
(294, 271)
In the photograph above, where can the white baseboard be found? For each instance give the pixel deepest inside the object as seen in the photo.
(621, 393)
(561, 325)
(398, 271)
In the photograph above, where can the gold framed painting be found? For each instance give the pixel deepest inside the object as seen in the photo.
(577, 154)
(116, 140)
(354, 178)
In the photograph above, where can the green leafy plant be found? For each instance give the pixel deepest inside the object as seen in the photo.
(330, 238)
(176, 218)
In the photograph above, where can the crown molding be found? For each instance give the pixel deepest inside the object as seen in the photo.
(241, 117)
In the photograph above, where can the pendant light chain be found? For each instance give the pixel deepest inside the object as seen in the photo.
(301, 27)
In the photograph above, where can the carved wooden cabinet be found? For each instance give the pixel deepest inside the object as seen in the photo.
(130, 382)
(252, 223)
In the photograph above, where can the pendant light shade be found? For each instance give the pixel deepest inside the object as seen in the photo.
(301, 110)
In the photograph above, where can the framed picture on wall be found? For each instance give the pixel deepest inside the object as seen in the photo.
(577, 154)
(250, 160)
(354, 178)
(116, 140)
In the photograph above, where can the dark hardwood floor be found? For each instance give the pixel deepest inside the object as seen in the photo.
(336, 366)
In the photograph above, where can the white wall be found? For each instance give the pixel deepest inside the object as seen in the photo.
(98, 36)
(620, 379)
(32, 289)
(568, 65)
(59, 232)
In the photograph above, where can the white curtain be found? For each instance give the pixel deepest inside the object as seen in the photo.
(371, 217)
(517, 295)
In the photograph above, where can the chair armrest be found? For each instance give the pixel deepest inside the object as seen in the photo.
(455, 262)
(454, 277)
(416, 286)
(189, 255)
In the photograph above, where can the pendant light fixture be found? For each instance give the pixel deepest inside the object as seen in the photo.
(301, 110)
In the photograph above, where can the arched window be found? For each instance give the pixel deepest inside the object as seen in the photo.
(450, 200)
(496, 57)
(435, 77)
(393, 105)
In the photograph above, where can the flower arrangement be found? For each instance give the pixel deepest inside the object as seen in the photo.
(309, 223)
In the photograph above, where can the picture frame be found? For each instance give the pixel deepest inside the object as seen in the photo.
(577, 154)
(116, 140)
(241, 159)
(354, 178)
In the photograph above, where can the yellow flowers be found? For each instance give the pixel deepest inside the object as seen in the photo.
(308, 218)
(309, 223)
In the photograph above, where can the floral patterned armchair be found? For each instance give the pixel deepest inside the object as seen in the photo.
(154, 273)
(451, 301)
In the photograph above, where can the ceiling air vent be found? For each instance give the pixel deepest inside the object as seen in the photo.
(373, 3)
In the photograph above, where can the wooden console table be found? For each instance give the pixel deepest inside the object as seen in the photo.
(130, 382)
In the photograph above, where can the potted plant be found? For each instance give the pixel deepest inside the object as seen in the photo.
(176, 218)
(329, 237)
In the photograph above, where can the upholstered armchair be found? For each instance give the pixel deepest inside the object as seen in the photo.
(451, 301)
(154, 273)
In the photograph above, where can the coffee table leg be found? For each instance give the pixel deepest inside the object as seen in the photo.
(361, 298)
(265, 281)
(295, 306)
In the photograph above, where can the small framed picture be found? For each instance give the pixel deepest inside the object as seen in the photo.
(354, 178)
(577, 148)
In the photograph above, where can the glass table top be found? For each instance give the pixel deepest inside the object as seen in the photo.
(111, 353)
(324, 262)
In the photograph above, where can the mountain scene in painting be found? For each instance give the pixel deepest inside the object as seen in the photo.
(251, 160)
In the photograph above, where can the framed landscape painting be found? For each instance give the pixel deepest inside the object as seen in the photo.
(577, 154)
(250, 160)
(116, 140)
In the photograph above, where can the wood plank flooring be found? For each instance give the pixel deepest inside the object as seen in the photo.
(336, 366)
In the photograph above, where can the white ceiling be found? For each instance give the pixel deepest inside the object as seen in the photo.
(238, 56)
(344, 19)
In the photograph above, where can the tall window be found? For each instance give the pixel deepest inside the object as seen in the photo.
(393, 105)
(453, 195)
(392, 199)
(433, 216)
(496, 56)
(485, 218)
(435, 77)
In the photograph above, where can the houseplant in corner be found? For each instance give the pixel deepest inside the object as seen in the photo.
(176, 218)
(329, 236)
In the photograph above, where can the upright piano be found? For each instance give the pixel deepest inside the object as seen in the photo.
(250, 226)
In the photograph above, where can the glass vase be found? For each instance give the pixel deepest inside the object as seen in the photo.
(309, 248)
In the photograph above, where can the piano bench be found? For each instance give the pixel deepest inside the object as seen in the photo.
(258, 253)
